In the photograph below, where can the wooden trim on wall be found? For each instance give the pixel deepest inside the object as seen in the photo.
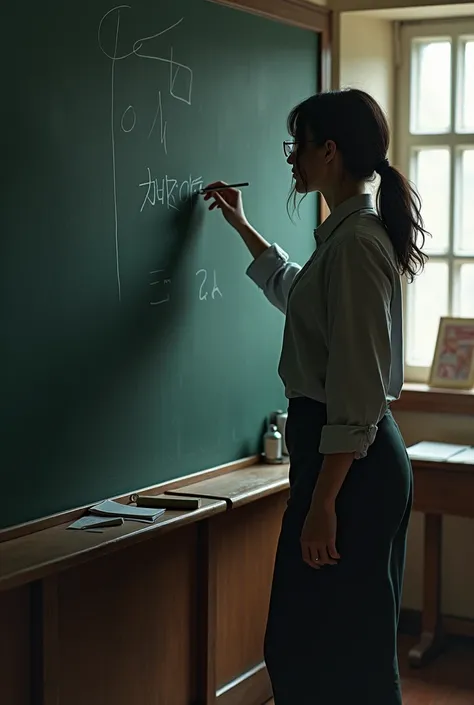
(420, 398)
(299, 13)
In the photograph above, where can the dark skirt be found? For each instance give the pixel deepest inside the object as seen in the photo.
(331, 636)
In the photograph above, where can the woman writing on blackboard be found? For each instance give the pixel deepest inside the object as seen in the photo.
(332, 628)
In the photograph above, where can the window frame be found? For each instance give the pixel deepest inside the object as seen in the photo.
(407, 143)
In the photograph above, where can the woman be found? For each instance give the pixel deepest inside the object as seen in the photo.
(332, 628)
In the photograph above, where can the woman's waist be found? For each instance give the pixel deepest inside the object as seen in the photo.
(307, 418)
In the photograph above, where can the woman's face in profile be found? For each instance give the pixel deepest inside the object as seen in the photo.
(311, 163)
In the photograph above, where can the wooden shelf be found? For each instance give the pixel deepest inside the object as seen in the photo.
(42, 553)
(242, 486)
(421, 398)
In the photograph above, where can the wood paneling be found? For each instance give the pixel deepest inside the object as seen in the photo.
(246, 541)
(15, 647)
(128, 626)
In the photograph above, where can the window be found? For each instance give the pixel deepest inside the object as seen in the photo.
(435, 148)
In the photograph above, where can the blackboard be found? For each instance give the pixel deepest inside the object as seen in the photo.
(134, 349)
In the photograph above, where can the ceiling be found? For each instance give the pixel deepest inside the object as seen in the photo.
(420, 13)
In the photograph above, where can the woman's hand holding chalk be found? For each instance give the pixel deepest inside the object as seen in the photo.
(228, 199)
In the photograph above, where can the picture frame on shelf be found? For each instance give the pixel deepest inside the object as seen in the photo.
(453, 360)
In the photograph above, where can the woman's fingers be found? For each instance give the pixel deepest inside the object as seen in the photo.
(209, 187)
(308, 555)
(219, 202)
(332, 550)
(317, 555)
(324, 557)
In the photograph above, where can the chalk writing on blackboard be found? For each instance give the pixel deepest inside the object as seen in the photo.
(163, 124)
(204, 288)
(160, 285)
(129, 119)
(167, 191)
(180, 86)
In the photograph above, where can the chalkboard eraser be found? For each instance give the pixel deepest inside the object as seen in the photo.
(168, 502)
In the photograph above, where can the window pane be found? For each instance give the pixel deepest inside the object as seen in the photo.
(431, 87)
(427, 302)
(466, 290)
(431, 175)
(464, 235)
(466, 96)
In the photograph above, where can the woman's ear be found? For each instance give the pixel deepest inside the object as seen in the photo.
(330, 150)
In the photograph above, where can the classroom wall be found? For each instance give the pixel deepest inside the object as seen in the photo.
(366, 60)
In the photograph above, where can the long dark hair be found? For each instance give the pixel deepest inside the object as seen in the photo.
(355, 122)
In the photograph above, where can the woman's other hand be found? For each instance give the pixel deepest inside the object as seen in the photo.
(318, 537)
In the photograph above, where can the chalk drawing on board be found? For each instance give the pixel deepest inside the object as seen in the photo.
(163, 124)
(129, 119)
(180, 88)
(160, 298)
(114, 58)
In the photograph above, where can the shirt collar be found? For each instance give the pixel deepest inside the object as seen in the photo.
(344, 210)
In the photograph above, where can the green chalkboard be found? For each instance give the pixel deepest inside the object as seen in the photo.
(133, 347)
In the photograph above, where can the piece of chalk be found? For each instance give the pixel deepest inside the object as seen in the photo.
(167, 502)
(223, 188)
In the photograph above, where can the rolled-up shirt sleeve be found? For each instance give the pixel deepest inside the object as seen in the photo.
(274, 275)
(361, 283)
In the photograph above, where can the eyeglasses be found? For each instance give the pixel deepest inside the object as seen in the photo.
(289, 147)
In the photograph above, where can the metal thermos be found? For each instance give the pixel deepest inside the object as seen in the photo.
(272, 445)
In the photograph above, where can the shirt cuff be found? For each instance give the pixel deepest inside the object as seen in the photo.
(347, 439)
(264, 267)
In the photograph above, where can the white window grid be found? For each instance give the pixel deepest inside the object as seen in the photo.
(406, 145)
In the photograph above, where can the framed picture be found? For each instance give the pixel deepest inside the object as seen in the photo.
(453, 361)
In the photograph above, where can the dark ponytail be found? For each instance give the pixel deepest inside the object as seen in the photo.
(354, 121)
(399, 207)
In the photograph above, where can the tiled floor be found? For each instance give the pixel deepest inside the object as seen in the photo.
(447, 681)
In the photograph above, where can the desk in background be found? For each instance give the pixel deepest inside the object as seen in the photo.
(444, 485)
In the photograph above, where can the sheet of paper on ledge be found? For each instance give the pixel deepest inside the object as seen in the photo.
(127, 511)
(89, 521)
(465, 456)
(436, 452)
